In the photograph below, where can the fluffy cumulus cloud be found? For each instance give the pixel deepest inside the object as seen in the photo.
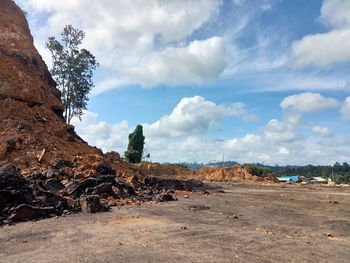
(278, 131)
(308, 102)
(194, 116)
(101, 134)
(345, 109)
(331, 47)
(198, 62)
(144, 42)
(322, 131)
(278, 144)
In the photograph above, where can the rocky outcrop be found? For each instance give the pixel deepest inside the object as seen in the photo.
(23, 74)
(30, 107)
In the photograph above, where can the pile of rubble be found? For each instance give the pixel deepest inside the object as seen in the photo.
(66, 189)
(21, 199)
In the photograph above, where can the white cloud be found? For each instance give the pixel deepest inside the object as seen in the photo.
(336, 13)
(323, 131)
(322, 49)
(108, 84)
(308, 102)
(199, 62)
(283, 151)
(327, 48)
(278, 131)
(274, 149)
(345, 109)
(145, 39)
(193, 116)
(102, 134)
(133, 22)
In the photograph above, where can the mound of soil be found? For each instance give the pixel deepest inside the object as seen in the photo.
(234, 173)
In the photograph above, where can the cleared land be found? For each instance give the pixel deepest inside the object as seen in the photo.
(246, 223)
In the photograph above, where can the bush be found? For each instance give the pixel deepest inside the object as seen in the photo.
(257, 170)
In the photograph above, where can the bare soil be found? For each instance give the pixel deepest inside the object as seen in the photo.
(246, 223)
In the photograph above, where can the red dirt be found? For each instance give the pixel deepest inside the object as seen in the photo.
(234, 173)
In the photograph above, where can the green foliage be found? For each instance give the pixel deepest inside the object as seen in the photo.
(72, 70)
(257, 170)
(135, 147)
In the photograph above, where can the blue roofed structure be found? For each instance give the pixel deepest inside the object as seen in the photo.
(288, 179)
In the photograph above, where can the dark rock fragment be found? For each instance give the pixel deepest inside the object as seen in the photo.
(164, 197)
(52, 173)
(78, 187)
(25, 212)
(53, 185)
(60, 164)
(90, 204)
(104, 169)
(104, 178)
(103, 188)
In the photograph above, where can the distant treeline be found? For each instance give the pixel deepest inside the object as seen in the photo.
(340, 173)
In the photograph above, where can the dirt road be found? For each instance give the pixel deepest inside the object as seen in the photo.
(246, 223)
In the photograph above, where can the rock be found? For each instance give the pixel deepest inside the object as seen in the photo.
(163, 197)
(103, 188)
(11, 198)
(8, 170)
(122, 189)
(60, 164)
(90, 204)
(104, 178)
(53, 185)
(78, 187)
(52, 173)
(104, 169)
(50, 199)
(172, 184)
(25, 212)
(112, 204)
(205, 192)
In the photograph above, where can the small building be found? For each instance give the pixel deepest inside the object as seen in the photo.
(286, 179)
(318, 180)
(305, 179)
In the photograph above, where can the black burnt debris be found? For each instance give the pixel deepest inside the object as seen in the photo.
(56, 192)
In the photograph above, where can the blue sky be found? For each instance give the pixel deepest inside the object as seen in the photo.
(255, 80)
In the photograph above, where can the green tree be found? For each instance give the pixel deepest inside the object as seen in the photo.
(257, 170)
(72, 69)
(135, 146)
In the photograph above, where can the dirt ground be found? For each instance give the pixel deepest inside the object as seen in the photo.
(246, 223)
